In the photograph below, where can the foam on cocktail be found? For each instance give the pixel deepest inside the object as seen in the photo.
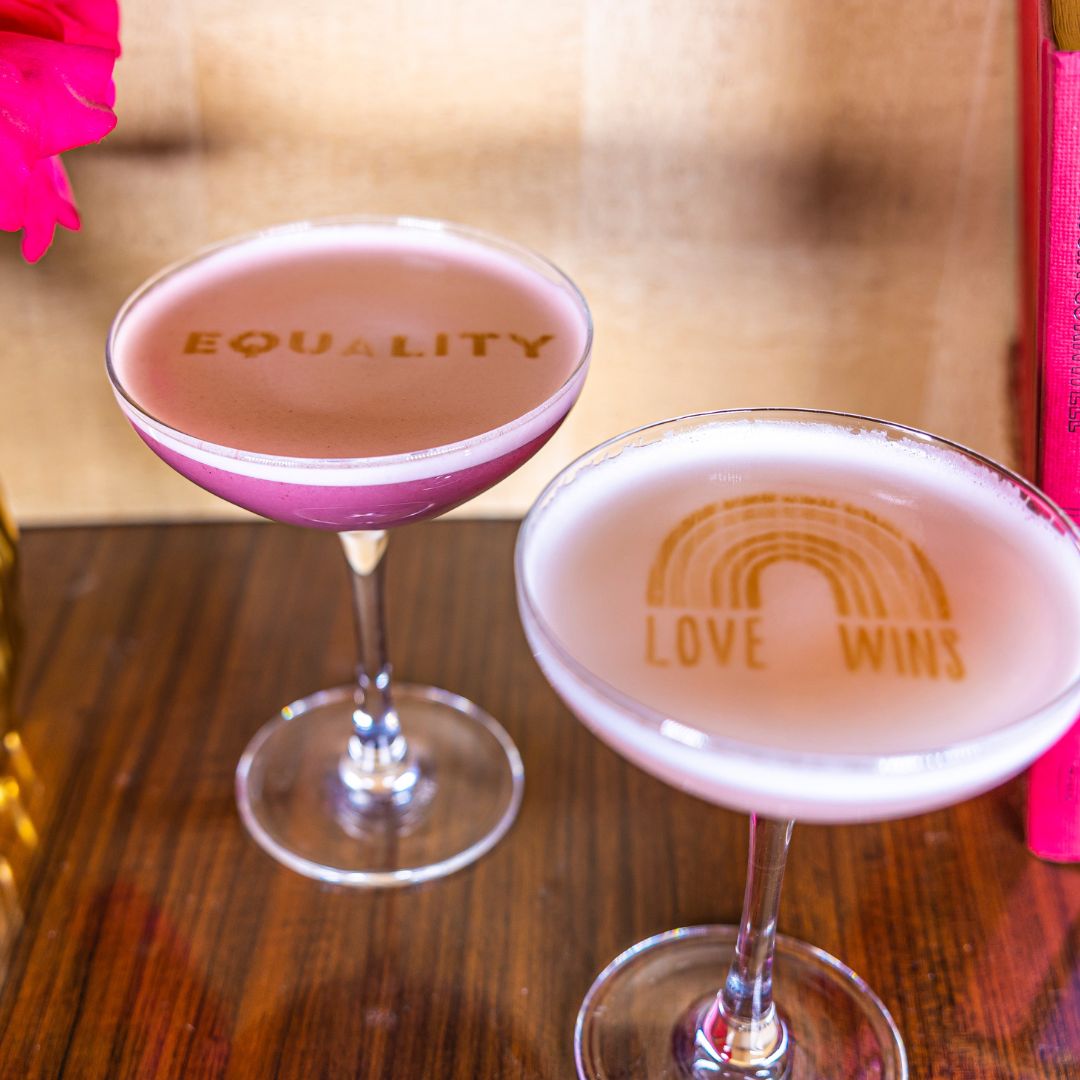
(400, 357)
(776, 591)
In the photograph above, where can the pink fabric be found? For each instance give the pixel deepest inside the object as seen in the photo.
(56, 93)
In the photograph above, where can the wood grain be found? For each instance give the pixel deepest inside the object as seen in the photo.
(160, 942)
(790, 203)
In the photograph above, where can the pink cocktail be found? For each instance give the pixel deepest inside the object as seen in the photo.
(353, 376)
(350, 376)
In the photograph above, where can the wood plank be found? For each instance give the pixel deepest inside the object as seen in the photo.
(160, 942)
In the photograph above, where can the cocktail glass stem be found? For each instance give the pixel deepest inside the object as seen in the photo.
(376, 765)
(742, 1034)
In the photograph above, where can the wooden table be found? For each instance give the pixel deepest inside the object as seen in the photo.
(159, 941)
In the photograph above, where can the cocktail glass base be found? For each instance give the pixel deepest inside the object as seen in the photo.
(294, 803)
(642, 1013)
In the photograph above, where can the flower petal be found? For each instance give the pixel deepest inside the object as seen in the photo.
(49, 203)
(75, 22)
(54, 96)
(56, 92)
(28, 17)
(15, 170)
(91, 22)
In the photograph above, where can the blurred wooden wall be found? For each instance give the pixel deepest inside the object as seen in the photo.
(766, 203)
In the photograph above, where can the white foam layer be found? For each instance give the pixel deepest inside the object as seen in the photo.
(440, 461)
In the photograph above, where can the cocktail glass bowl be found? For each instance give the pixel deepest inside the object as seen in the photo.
(699, 1001)
(371, 783)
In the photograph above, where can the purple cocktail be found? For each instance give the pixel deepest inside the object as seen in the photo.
(353, 376)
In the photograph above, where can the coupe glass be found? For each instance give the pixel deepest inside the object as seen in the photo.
(699, 1001)
(376, 783)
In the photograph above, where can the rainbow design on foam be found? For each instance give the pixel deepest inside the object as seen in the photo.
(716, 557)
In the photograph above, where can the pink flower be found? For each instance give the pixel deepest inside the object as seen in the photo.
(56, 93)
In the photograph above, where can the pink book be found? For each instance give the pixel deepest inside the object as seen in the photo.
(1050, 146)
(1025, 372)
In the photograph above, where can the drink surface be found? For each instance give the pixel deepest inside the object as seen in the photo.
(809, 589)
(356, 341)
